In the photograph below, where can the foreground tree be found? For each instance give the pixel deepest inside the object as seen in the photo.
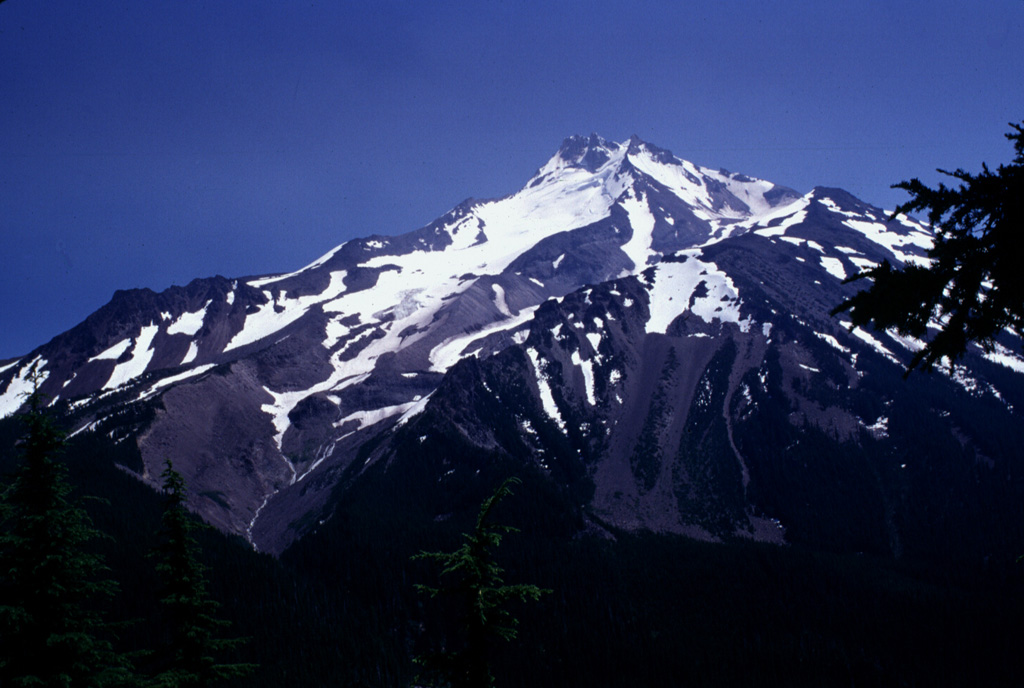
(974, 287)
(475, 580)
(189, 658)
(51, 584)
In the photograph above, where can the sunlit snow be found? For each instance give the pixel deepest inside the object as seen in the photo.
(790, 215)
(114, 352)
(1005, 357)
(21, 385)
(832, 341)
(160, 384)
(547, 399)
(638, 248)
(674, 285)
(142, 354)
(877, 345)
(446, 354)
(895, 243)
(279, 278)
(189, 323)
(499, 300)
(834, 267)
(280, 311)
(190, 355)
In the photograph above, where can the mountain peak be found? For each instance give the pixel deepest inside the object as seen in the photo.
(661, 155)
(306, 367)
(587, 152)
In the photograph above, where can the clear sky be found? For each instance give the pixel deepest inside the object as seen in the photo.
(143, 144)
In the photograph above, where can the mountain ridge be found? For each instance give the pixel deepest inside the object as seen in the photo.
(271, 392)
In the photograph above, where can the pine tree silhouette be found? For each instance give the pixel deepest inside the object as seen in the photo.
(190, 657)
(475, 580)
(51, 584)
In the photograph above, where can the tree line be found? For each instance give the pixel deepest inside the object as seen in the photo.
(55, 590)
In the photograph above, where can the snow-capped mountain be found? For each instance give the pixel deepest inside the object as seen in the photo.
(628, 322)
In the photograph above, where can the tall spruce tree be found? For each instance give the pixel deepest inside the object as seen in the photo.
(52, 586)
(190, 656)
(475, 581)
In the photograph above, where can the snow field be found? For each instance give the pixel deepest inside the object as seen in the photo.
(674, 285)
(279, 311)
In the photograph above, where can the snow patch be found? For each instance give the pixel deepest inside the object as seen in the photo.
(278, 278)
(190, 355)
(199, 370)
(790, 215)
(834, 267)
(875, 344)
(1004, 357)
(832, 341)
(22, 385)
(334, 331)
(114, 352)
(638, 248)
(189, 323)
(587, 368)
(547, 399)
(277, 313)
(447, 353)
(499, 300)
(880, 428)
(371, 417)
(142, 354)
(674, 285)
(862, 263)
(893, 242)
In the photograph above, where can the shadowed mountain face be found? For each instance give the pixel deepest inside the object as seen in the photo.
(651, 336)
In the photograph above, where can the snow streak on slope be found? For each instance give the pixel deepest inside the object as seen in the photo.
(638, 248)
(22, 385)
(189, 323)
(142, 354)
(167, 381)
(114, 352)
(544, 388)
(448, 353)
(280, 278)
(277, 313)
(893, 242)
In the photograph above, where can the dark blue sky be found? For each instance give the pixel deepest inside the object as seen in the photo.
(143, 144)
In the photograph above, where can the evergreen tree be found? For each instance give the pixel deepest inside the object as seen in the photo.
(190, 656)
(974, 287)
(477, 584)
(51, 585)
